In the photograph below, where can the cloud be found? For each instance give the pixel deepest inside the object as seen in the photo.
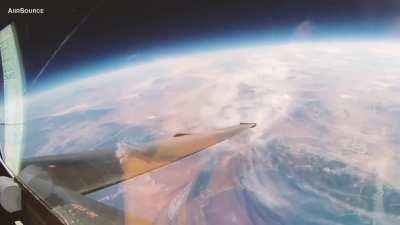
(304, 29)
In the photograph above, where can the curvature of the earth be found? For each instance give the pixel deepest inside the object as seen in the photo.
(325, 151)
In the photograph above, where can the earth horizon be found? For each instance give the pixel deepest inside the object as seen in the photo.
(325, 149)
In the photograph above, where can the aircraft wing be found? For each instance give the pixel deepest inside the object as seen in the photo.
(86, 172)
(62, 180)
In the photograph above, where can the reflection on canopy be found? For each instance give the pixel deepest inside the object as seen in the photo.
(14, 88)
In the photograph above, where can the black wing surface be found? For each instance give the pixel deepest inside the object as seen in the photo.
(86, 172)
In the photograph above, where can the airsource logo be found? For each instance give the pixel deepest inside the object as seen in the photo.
(25, 11)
